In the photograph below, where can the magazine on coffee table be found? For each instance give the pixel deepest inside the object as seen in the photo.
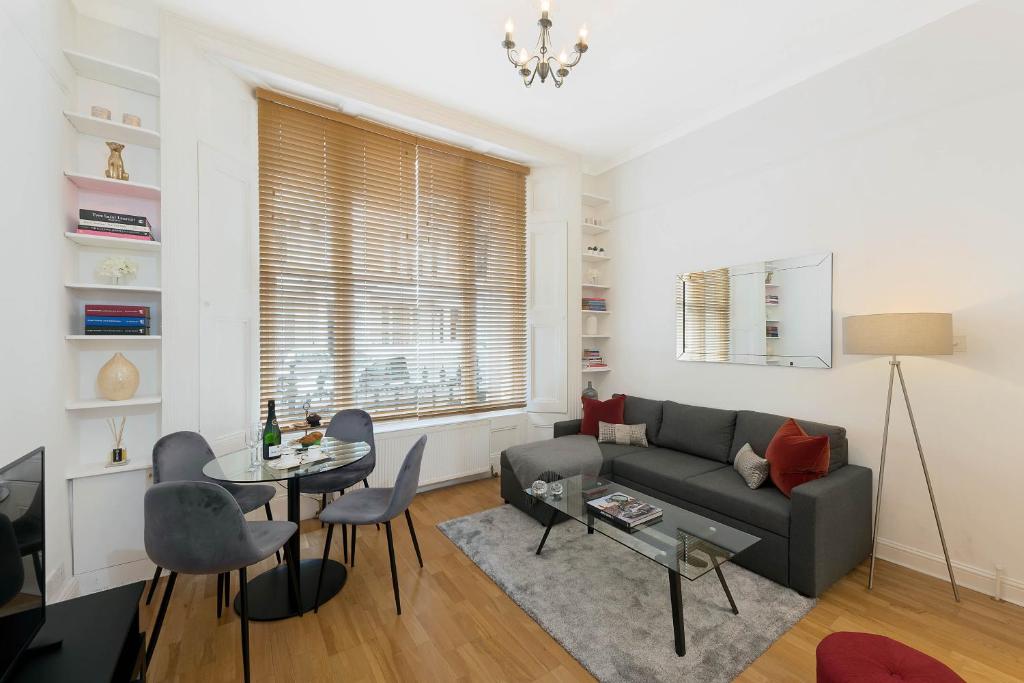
(626, 511)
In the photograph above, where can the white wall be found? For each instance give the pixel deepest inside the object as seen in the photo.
(908, 164)
(37, 84)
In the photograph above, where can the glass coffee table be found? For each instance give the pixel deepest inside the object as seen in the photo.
(685, 543)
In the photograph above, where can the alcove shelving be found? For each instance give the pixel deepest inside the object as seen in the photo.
(594, 288)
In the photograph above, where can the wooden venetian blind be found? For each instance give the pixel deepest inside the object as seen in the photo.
(703, 329)
(392, 269)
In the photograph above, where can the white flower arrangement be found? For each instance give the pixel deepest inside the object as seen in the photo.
(117, 267)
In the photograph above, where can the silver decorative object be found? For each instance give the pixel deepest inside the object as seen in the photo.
(539, 487)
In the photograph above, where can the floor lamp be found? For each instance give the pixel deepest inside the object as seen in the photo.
(901, 334)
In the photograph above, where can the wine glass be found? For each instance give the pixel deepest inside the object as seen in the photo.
(253, 441)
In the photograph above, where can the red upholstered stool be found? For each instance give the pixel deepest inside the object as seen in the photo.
(847, 657)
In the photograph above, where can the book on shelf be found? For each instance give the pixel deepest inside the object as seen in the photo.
(116, 234)
(135, 331)
(624, 511)
(115, 321)
(91, 215)
(116, 310)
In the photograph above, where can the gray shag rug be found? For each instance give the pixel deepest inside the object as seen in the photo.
(609, 607)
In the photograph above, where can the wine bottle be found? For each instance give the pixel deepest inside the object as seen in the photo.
(271, 432)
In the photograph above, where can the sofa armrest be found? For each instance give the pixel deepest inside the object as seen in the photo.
(829, 528)
(567, 427)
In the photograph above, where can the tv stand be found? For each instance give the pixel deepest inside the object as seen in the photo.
(97, 633)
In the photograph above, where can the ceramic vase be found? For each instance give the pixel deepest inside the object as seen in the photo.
(118, 379)
(590, 391)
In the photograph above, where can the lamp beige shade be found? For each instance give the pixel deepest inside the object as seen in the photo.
(899, 334)
(118, 379)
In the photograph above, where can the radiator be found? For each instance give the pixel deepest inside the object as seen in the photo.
(452, 452)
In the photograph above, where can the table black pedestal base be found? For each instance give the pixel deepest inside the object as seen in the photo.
(270, 599)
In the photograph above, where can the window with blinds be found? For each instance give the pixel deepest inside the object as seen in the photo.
(392, 269)
(703, 328)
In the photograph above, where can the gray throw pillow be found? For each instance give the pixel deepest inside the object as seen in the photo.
(624, 435)
(751, 466)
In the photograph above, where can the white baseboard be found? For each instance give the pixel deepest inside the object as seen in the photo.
(967, 575)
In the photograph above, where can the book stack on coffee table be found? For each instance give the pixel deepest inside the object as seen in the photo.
(104, 319)
(110, 224)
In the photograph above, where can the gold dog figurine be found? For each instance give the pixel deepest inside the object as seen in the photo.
(115, 164)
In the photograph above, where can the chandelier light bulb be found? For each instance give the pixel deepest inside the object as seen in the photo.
(563, 57)
(524, 56)
(545, 5)
(583, 33)
(509, 26)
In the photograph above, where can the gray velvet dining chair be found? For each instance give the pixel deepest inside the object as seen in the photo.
(346, 425)
(197, 527)
(181, 456)
(378, 506)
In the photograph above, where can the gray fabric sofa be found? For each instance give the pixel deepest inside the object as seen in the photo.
(807, 542)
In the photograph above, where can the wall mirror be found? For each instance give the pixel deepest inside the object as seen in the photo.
(766, 313)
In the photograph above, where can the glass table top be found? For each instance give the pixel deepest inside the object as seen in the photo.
(237, 467)
(679, 540)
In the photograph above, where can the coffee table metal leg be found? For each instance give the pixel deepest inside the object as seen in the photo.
(676, 597)
(551, 523)
(721, 579)
(590, 523)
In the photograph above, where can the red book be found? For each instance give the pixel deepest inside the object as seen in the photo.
(121, 311)
(116, 235)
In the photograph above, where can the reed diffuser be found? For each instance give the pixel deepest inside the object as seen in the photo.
(118, 454)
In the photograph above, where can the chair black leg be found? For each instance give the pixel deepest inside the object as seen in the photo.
(270, 517)
(152, 585)
(353, 553)
(394, 570)
(366, 485)
(323, 506)
(244, 591)
(323, 564)
(160, 616)
(412, 532)
(293, 574)
(344, 542)
(220, 595)
(227, 588)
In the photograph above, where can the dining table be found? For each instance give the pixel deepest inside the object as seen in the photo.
(269, 595)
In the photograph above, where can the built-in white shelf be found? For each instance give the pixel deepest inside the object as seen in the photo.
(593, 286)
(772, 338)
(590, 199)
(94, 403)
(596, 258)
(98, 469)
(588, 370)
(590, 229)
(112, 242)
(113, 131)
(122, 188)
(586, 312)
(122, 76)
(771, 284)
(597, 336)
(111, 288)
(112, 338)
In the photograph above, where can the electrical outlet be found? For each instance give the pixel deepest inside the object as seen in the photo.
(960, 343)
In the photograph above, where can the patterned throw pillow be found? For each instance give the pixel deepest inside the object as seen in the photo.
(624, 435)
(751, 466)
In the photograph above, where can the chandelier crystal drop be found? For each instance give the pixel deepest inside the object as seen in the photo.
(543, 63)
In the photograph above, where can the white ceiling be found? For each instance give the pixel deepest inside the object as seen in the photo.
(656, 69)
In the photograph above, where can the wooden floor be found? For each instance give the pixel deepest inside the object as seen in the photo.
(457, 625)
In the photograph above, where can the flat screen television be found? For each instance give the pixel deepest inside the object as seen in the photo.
(22, 557)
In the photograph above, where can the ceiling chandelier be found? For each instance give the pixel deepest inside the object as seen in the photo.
(543, 64)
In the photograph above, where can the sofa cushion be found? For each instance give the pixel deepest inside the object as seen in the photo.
(724, 491)
(662, 469)
(595, 412)
(795, 457)
(757, 429)
(705, 432)
(643, 411)
(611, 451)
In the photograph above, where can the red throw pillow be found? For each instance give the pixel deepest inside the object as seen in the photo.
(794, 457)
(595, 411)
